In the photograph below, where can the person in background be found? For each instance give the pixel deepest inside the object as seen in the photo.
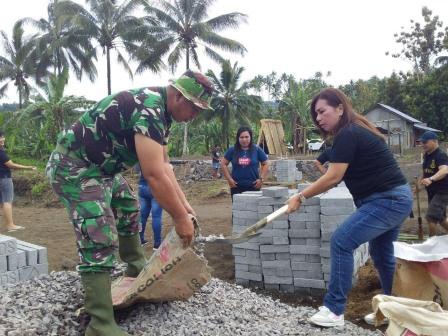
(382, 196)
(322, 159)
(85, 172)
(6, 185)
(148, 204)
(216, 157)
(435, 180)
(249, 163)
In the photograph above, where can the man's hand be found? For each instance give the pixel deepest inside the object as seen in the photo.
(426, 182)
(232, 183)
(185, 229)
(293, 203)
(258, 183)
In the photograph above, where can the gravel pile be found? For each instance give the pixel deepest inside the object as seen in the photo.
(47, 306)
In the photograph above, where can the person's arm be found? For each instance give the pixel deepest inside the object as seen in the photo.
(154, 169)
(172, 176)
(12, 165)
(320, 167)
(441, 173)
(333, 176)
(225, 170)
(264, 170)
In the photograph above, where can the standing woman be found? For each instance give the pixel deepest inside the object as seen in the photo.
(246, 158)
(381, 194)
(6, 186)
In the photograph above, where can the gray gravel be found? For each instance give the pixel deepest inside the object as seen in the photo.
(47, 306)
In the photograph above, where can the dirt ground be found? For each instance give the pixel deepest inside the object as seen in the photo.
(49, 226)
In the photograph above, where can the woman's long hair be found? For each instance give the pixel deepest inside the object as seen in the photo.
(237, 146)
(334, 98)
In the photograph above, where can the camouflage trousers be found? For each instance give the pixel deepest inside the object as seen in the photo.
(100, 208)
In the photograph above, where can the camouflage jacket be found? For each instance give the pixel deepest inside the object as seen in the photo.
(104, 135)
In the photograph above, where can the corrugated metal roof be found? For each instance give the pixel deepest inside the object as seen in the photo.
(426, 128)
(399, 113)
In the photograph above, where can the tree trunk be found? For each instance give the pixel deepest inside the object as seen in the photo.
(20, 96)
(185, 146)
(109, 89)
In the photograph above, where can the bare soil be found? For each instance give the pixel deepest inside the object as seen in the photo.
(49, 226)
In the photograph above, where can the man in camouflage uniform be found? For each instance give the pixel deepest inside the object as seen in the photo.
(84, 171)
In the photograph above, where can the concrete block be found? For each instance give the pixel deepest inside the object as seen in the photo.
(325, 252)
(8, 245)
(294, 225)
(309, 283)
(265, 240)
(307, 233)
(265, 208)
(313, 225)
(9, 277)
(254, 269)
(282, 256)
(312, 274)
(275, 191)
(313, 241)
(242, 282)
(4, 263)
(274, 248)
(287, 288)
(306, 266)
(276, 264)
(247, 261)
(336, 219)
(281, 272)
(253, 254)
(280, 240)
(272, 287)
(313, 258)
(312, 201)
(304, 217)
(241, 221)
(298, 258)
(280, 224)
(238, 228)
(326, 235)
(271, 201)
(311, 208)
(264, 214)
(297, 241)
(269, 279)
(238, 251)
(248, 276)
(303, 249)
(247, 246)
(242, 267)
(31, 254)
(247, 198)
(245, 214)
(256, 284)
(13, 262)
(333, 210)
(267, 256)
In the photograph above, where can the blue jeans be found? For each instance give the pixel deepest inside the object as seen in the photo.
(148, 204)
(377, 220)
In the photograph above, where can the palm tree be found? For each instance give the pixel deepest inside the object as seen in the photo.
(231, 100)
(61, 44)
(53, 111)
(113, 27)
(17, 65)
(183, 27)
(294, 108)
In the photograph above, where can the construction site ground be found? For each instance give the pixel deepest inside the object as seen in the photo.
(47, 224)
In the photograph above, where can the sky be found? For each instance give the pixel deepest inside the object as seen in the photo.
(349, 38)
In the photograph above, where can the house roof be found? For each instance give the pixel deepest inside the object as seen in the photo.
(399, 113)
(426, 128)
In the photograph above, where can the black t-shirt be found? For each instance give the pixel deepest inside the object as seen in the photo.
(431, 164)
(4, 171)
(215, 155)
(324, 156)
(371, 165)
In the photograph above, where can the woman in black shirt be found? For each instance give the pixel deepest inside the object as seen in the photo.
(381, 194)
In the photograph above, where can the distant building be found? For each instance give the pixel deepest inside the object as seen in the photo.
(401, 130)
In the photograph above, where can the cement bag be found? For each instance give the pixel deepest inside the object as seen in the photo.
(409, 317)
(421, 272)
(172, 273)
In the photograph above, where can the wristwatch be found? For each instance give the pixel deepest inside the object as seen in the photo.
(302, 197)
(431, 179)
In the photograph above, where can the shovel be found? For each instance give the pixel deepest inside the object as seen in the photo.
(249, 233)
(419, 219)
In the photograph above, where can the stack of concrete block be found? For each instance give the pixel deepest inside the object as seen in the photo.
(286, 171)
(20, 261)
(293, 252)
(247, 255)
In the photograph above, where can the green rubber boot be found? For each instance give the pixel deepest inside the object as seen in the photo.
(131, 252)
(98, 304)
